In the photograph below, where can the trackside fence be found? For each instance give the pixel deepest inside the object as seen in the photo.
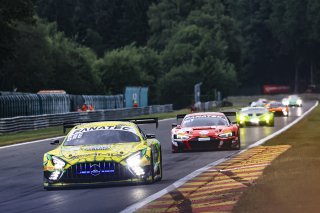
(38, 104)
(21, 123)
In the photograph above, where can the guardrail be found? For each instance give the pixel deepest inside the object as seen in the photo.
(39, 104)
(21, 123)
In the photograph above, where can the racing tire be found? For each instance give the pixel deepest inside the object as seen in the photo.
(271, 124)
(150, 172)
(239, 142)
(161, 171)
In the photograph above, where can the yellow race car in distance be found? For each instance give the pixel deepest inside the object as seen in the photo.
(104, 153)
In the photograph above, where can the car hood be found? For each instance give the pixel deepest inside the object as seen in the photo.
(103, 152)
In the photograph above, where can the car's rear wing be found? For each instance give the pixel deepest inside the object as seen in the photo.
(179, 116)
(228, 114)
(133, 120)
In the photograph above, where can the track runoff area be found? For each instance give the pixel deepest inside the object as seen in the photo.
(197, 180)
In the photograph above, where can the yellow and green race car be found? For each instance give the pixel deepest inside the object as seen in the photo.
(104, 153)
(255, 116)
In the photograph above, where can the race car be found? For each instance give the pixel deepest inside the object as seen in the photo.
(255, 116)
(204, 131)
(278, 108)
(292, 100)
(261, 102)
(107, 152)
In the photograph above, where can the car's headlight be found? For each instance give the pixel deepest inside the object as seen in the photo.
(242, 117)
(58, 163)
(225, 135)
(133, 163)
(267, 117)
(299, 101)
(182, 137)
(285, 102)
(134, 160)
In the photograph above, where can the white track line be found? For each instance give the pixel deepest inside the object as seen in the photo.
(178, 183)
(31, 142)
(54, 138)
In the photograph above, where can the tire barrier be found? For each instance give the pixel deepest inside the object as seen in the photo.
(22, 123)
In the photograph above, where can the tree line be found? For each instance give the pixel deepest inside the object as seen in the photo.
(101, 46)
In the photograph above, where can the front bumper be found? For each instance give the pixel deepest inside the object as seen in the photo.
(196, 145)
(95, 173)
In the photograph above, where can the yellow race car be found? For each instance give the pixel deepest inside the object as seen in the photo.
(104, 153)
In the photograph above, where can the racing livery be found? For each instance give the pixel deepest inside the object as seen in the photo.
(255, 116)
(292, 100)
(278, 108)
(103, 152)
(206, 130)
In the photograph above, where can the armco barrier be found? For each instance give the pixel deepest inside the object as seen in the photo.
(41, 121)
(38, 104)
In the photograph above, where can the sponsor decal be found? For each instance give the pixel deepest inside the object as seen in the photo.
(204, 132)
(96, 148)
(95, 170)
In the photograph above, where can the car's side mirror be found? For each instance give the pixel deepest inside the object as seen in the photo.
(234, 122)
(150, 136)
(174, 125)
(55, 142)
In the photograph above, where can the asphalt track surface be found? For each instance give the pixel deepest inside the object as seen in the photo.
(21, 187)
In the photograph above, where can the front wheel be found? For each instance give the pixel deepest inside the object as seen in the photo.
(271, 124)
(160, 172)
(238, 144)
(150, 174)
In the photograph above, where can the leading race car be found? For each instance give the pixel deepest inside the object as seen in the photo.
(206, 130)
(278, 108)
(104, 152)
(255, 116)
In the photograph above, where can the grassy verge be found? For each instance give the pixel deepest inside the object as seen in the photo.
(291, 183)
(30, 135)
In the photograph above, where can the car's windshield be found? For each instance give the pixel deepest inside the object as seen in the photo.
(194, 121)
(293, 97)
(79, 137)
(254, 110)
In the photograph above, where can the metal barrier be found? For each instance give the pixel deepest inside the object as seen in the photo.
(41, 121)
(38, 104)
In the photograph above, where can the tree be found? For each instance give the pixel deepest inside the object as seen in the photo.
(199, 45)
(46, 59)
(165, 16)
(99, 24)
(128, 66)
(12, 12)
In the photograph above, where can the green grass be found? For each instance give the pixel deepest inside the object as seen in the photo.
(291, 182)
(30, 135)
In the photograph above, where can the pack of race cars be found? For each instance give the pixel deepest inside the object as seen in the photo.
(111, 152)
